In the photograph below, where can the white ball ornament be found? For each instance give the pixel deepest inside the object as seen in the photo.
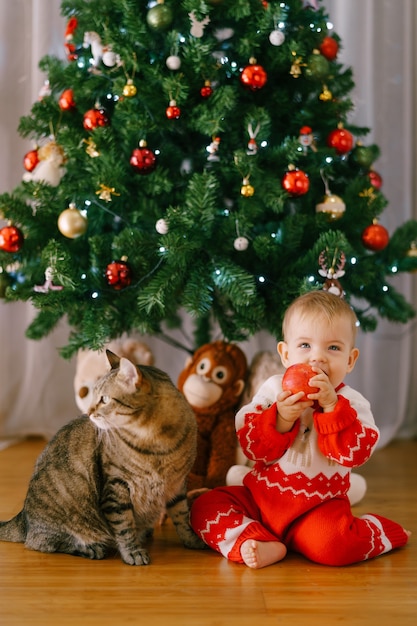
(277, 37)
(162, 227)
(173, 62)
(240, 244)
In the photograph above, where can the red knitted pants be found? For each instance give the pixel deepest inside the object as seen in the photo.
(329, 534)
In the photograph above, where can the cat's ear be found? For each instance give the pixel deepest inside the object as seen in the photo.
(113, 359)
(130, 375)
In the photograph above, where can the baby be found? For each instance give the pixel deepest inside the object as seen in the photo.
(304, 448)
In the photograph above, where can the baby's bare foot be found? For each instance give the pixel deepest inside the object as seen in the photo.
(257, 554)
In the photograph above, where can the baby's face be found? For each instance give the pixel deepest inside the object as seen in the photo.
(318, 343)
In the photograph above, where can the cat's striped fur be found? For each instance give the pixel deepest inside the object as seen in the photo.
(105, 479)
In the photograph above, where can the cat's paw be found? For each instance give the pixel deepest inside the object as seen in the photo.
(95, 551)
(140, 556)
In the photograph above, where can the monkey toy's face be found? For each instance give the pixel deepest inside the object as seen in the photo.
(205, 385)
(211, 379)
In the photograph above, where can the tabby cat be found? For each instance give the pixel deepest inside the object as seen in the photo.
(105, 479)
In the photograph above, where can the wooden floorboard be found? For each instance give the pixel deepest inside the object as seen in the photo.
(186, 588)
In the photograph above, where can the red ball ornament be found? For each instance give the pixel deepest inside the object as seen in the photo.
(375, 237)
(11, 239)
(66, 100)
(341, 140)
(173, 112)
(296, 182)
(206, 90)
(329, 48)
(253, 76)
(143, 159)
(95, 118)
(375, 179)
(118, 274)
(296, 378)
(30, 160)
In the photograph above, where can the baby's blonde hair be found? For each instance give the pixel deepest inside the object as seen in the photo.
(320, 304)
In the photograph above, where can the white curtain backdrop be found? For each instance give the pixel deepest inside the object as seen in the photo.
(36, 391)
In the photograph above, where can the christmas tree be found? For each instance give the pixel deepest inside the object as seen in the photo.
(195, 157)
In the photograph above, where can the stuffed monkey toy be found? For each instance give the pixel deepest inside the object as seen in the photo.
(212, 382)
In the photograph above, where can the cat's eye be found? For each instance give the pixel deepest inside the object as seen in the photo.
(105, 399)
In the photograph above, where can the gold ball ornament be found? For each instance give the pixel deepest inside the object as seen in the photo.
(72, 223)
(129, 90)
(332, 205)
(247, 190)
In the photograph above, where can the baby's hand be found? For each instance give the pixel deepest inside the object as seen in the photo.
(326, 396)
(291, 406)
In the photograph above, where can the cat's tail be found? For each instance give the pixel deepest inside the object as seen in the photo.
(14, 529)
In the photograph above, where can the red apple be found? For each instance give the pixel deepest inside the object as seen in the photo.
(296, 379)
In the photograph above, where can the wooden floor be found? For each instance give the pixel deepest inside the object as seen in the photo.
(187, 588)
